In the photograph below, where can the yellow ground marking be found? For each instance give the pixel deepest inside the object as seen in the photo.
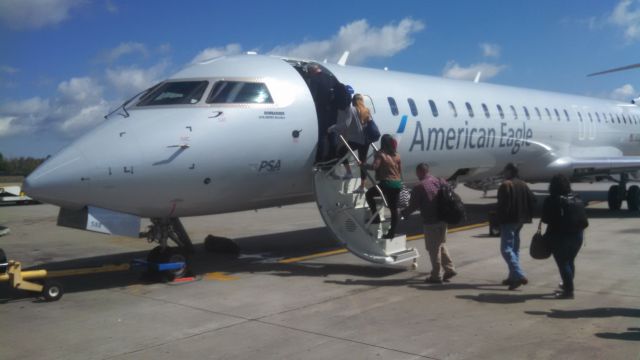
(313, 256)
(86, 271)
(343, 250)
(220, 276)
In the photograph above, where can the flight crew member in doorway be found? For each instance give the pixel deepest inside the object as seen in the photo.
(515, 208)
(424, 197)
(388, 168)
(321, 85)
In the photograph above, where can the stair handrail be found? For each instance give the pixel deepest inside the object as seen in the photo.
(371, 178)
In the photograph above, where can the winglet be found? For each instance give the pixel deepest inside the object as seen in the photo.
(477, 79)
(343, 59)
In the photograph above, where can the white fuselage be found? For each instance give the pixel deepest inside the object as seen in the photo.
(205, 158)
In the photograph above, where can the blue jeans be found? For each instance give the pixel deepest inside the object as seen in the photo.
(510, 249)
(565, 248)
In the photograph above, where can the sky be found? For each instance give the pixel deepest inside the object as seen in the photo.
(65, 63)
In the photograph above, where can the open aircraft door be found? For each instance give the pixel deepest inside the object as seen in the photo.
(347, 216)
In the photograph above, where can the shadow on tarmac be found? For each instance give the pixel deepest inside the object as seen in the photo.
(603, 312)
(632, 334)
(493, 298)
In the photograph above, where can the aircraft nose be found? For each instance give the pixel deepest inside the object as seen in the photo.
(61, 180)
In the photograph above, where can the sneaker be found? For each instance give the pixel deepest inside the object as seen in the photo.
(562, 295)
(449, 275)
(506, 281)
(430, 280)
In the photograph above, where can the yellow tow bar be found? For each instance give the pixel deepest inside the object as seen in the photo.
(18, 279)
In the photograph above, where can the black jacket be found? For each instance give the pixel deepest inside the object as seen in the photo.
(515, 202)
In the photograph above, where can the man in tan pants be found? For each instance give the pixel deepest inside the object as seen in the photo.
(424, 197)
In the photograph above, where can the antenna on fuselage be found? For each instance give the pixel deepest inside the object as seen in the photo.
(477, 79)
(622, 68)
(343, 58)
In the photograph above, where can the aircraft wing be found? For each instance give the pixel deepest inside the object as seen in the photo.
(585, 166)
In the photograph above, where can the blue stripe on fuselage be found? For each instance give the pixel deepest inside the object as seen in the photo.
(403, 124)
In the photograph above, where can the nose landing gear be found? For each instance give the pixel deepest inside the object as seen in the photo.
(160, 231)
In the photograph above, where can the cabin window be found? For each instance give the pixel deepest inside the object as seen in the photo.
(604, 116)
(579, 116)
(452, 107)
(434, 109)
(412, 106)
(590, 117)
(393, 106)
(557, 114)
(239, 92)
(486, 111)
(548, 113)
(598, 117)
(515, 113)
(500, 112)
(175, 93)
(538, 113)
(618, 117)
(624, 119)
(566, 115)
(469, 109)
(526, 112)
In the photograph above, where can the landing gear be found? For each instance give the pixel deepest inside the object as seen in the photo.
(161, 230)
(614, 198)
(633, 198)
(619, 193)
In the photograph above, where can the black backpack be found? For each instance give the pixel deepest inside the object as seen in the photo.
(573, 216)
(450, 206)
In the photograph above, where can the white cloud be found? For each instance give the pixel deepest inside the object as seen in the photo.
(79, 90)
(24, 116)
(84, 118)
(360, 39)
(8, 69)
(131, 80)
(111, 7)
(123, 49)
(77, 106)
(35, 14)
(627, 16)
(625, 92)
(214, 52)
(454, 71)
(490, 50)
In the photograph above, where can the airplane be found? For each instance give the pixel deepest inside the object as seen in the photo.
(241, 132)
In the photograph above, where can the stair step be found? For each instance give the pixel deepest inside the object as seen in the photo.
(404, 255)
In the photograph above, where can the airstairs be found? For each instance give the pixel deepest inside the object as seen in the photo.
(348, 217)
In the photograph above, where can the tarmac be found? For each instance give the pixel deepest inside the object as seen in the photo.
(293, 293)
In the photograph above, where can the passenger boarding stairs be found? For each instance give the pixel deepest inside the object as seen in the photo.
(348, 217)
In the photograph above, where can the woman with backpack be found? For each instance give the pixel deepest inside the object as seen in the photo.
(564, 213)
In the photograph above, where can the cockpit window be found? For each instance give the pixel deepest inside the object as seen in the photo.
(175, 93)
(239, 92)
